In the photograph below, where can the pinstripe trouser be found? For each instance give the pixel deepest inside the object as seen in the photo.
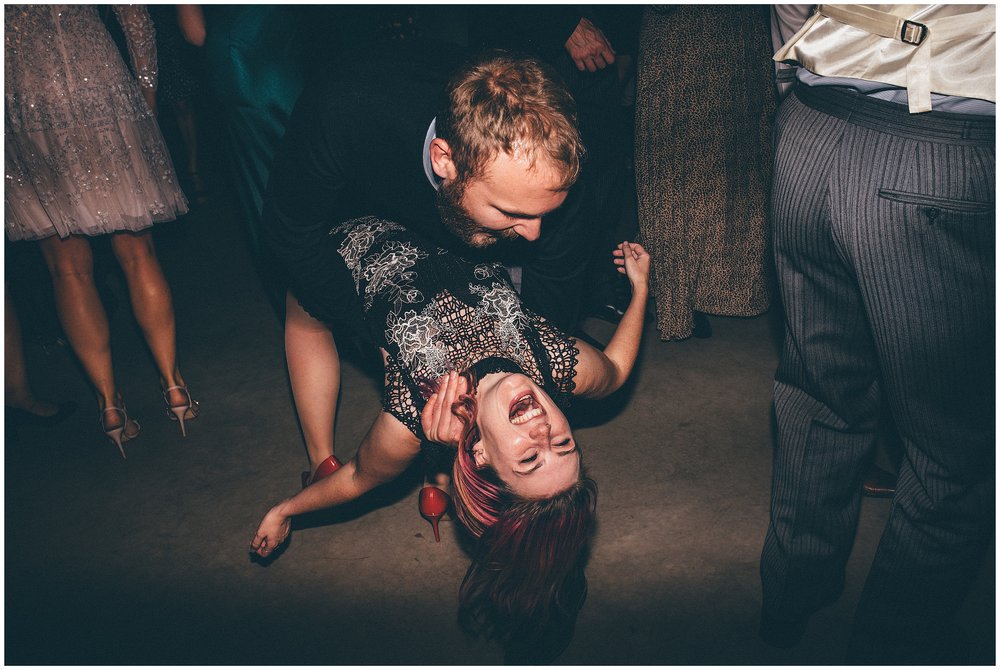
(883, 227)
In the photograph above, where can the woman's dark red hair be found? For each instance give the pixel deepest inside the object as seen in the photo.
(527, 566)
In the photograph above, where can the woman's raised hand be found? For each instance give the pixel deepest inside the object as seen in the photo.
(439, 423)
(633, 262)
(273, 530)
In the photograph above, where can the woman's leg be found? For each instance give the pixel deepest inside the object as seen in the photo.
(71, 265)
(314, 371)
(153, 307)
(184, 113)
(17, 391)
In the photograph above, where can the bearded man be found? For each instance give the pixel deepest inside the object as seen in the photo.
(465, 153)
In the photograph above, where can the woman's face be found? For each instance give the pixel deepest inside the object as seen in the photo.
(524, 437)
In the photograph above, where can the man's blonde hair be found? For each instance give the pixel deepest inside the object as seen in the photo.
(507, 103)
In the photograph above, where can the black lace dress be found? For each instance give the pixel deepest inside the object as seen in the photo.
(435, 312)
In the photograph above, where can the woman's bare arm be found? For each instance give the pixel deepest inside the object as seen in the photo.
(191, 21)
(602, 373)
(387, 450)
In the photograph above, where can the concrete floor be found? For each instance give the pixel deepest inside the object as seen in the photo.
(144, 561)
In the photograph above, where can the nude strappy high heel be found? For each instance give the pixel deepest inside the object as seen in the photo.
(178, 412)
(118, 434)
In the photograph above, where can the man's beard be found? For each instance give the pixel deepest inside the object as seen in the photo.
(457, 220)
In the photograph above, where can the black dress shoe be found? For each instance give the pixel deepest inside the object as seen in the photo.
(610, 313)
(787, 631)
(782, 633)
(879, 483)
(702, 328)
(15, 416)
(609, 300)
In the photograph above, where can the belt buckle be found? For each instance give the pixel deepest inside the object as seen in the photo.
(912, 32)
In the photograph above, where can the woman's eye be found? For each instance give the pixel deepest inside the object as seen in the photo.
(564, 443)
(530, 459)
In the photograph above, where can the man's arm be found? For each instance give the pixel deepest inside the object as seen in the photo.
(785, 22)
(191, 21)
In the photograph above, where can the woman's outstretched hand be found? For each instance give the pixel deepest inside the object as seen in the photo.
(633, 262)
(272, 532)
(439, 423)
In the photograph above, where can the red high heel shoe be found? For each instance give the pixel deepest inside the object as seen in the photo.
(323, 470)
(433, 504)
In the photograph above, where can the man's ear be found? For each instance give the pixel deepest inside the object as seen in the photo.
(479, 455)
(441, 160)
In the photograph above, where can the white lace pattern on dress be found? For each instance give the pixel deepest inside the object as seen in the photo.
(440, 313)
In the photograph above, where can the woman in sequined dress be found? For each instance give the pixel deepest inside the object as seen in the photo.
(84, 157)
(468, 366)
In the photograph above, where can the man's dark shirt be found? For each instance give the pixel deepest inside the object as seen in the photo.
(354, 147)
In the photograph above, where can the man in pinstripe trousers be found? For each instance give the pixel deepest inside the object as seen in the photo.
(883, 219)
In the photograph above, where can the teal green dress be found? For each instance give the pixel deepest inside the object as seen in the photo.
(256, 55)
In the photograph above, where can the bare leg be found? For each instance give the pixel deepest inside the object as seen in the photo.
(186, 123)
(17, 392)
(82, 316)
(442, 480)
(152, 306)
(314, 371)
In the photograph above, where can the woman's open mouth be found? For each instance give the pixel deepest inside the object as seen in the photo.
(524, 409)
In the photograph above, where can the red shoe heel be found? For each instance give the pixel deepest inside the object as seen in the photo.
(433, 504)
(323, 470)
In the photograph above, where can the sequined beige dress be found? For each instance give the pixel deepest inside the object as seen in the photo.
(82, 151)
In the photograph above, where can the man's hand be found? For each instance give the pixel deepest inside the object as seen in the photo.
(439, 423)
(589, 48)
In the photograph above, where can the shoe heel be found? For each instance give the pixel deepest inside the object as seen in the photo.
(115, 435)
(118, 432)
(433, 503)
(434, 524)
(326, 468)
(179, 412)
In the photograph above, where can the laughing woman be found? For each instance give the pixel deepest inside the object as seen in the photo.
(502, 376)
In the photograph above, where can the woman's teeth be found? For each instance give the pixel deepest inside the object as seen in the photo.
(527, 416)
(525, 409)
